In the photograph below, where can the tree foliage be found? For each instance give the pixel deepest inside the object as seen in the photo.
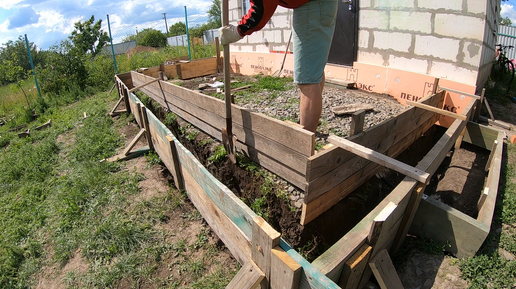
(88, 36)
(14, 60)
(148, 37)
(214, 14)
(177, 29)
(505, 21)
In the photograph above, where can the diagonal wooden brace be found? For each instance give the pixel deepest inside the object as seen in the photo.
(380, 159)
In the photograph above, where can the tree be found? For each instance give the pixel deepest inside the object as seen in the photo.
(14, 54)
(88, 36)
(505, 21)
(152, 38)
(214, 14)
(177, 29)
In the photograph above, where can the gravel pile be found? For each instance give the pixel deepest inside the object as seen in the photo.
(284, 105)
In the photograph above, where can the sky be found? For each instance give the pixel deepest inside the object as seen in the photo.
(48, 21)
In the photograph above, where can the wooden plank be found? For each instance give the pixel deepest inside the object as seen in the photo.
(173, 165)
(134, 103)
(274, 129)
(171, 71)
(354, 268)
(126, 93)
(263, 159)
(264, 239)
(357, 122)
(385, 272)
(380, 159)
(491, 155)
(210, 121)
(310, 277)
(486, 213)
(461, 234)
(143, 85)
(480, 135)
(460, 92)
(320, 204)
(331, 262)
(134, 154)
(380, 138)
(235, 240)
(286, 273)
(145, 121)
(133, 142)
(483, 198)
(408, 217)
(436, 110)
(248, 277)
(489, 109)
(117, 104)
(478, 110)
(196, 68)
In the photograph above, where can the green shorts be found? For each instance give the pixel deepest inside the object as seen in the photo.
(312, 32)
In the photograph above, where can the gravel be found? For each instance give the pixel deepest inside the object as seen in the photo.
(284, 105)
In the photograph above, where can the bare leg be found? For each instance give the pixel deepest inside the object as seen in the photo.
(311, 105)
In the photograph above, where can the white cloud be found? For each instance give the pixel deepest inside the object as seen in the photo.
(53, 21)
(508, 11)
(8, 4)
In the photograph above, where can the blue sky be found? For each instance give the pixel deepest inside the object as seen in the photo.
(508, 10)
(48, 21)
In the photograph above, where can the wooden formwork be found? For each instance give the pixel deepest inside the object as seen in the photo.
(350, 262)
(182, 68)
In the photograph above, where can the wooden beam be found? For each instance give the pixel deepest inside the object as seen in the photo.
(133, 142)
(408, 217)
(286, 272)
(489, 109)
(265, 238)
(134, 154)
(143, 85)
(384, 271)
(126, 94)
(436, 110)
(175, 167)
(436, 85)
(116, 105)
(491, 155)
(354, 268)
(479, 106)
(198, 67)
(248, 277)
(483, 198)
(460, 92)
(219, 61)
(145, 121)
(380, 159)
(357, 122)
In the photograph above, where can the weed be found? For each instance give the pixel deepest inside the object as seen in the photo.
(192, 135)
(246, 163)
(170, 119)
(484, 271)
(274, 83)
(259, 206)
(206, 142)
(430, 246)
(152, 158)
(218, 155)
(202, 239)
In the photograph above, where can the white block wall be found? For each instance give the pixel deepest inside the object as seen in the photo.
(450, 39)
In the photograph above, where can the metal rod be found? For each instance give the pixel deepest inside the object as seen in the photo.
(32, 65)
(187, 36)
(112, 47)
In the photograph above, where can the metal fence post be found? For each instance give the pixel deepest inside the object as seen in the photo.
(187, 36)
(32, 65)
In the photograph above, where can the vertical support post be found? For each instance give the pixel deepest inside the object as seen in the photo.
(436, 85)
(112, 47)
(32, 65)
(479, 105)
(384, 271)
(357, 122)
(145, 121)
(126, 100)
(265, 238)
(176, 169)
(287, 272)
(187, 35)
(354, 267)
(217, 47)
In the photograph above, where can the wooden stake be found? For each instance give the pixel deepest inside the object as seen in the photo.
(489, 109)
(436, 86)
(133, 142)
(357, 122)
(354, 268)
(219, 60)
(286, 271)
(145, 121)
(491, 155)
(384, 271)
(479, 106)
(176, 169)
(265, 238)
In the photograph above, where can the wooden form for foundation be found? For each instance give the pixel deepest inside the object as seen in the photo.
(349, 262)
(183, 69)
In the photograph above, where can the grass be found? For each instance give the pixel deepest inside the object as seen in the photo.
(59, 203)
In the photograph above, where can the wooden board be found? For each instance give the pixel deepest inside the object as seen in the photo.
(248, 277)
(480, 135)
(274, 129)
(265, 238)
(331, 262)
(354, 268)
(286, 272)
(198, 67)
(325, 201)
(378, 138)
(385, 272)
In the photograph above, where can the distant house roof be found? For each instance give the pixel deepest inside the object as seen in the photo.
(119, 48)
